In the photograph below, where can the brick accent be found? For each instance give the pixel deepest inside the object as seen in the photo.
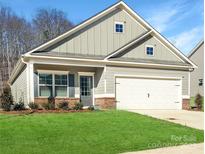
(71, 101)
(185, 104)
(105, 103)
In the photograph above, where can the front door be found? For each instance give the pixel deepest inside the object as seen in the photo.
(86, 90)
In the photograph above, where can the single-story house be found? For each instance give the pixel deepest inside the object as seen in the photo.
(114, 59)
(197, 75)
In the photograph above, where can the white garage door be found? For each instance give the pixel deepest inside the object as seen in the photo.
(148, 93)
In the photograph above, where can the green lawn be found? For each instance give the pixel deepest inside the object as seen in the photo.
(92, 132)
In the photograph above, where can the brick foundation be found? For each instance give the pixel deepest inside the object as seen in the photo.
(71, 101)
(105, 103)
(185, 104)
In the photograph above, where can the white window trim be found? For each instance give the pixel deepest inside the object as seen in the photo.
(119, 22)
(53, 73)
(152, 46)
(86, 73)
(44, 84)
(67, 86)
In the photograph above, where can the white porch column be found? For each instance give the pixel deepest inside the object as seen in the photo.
(30, 82)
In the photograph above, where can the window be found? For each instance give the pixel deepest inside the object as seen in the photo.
(119, 27)
(56, 85)
(61, 85)
(45, 85)
(71, 85)
(150, 50)
(200, 82)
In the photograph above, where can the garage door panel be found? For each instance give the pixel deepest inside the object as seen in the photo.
(139, 93)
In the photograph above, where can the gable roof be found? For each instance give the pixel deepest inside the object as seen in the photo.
(195, 48)
(133, 14)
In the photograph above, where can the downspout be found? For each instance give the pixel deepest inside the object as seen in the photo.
(27, 79)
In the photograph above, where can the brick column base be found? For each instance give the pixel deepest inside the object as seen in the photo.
(71, 101)
(185, 104)
(105, 103)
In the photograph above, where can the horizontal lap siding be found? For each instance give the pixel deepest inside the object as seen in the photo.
(19, 87)
(100, 38)
(111, 71)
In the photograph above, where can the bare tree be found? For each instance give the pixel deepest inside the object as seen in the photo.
(50, 23)
(17, 35)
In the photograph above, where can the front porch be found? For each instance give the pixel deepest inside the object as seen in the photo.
(70, 83)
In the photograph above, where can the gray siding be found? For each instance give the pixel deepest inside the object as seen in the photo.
(100, 38)
(19, 87)
(98, 77)
(198, 73)
(160, 51)
(112, 71)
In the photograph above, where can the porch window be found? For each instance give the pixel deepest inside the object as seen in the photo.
(71, 85)
(61, 85)
(45, 85)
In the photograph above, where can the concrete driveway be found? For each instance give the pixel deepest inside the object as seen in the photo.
(188, 118)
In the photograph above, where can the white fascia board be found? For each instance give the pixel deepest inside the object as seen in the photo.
(18, 67)
(107, 62)
(157, 33)
(195, 48)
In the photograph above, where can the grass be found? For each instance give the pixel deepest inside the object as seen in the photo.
(92, 132)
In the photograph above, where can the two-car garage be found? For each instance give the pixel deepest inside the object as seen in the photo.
(148, 92)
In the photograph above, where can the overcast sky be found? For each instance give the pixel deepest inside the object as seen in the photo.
(180, 21)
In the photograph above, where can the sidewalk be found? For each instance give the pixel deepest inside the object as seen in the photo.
(184, 149)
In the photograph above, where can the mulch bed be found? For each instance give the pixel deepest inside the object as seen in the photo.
(42, 111)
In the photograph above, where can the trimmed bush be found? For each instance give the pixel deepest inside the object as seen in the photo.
(78, 106)
(33, 106)
(63, 105)
(198, 101)
(50, 105)
(19, 106)
(6, 99)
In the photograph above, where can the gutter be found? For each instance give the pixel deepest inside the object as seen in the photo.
(110, 62)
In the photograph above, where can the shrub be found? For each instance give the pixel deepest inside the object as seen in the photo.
(33, 105)
(78, 106)
(19, 106)
(63, 105)
(91, 108)
(199, 101)
(50, 105)
(6, 99)
(51, 100)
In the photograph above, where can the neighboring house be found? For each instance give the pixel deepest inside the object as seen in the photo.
(114, 59)
(197, 76)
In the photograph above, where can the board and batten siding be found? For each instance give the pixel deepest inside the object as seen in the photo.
(19, 87)
(198, 73)
(100, 37)
(160, 51)
(111, 71)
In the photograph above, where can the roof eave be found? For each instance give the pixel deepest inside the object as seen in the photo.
(18, 67)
